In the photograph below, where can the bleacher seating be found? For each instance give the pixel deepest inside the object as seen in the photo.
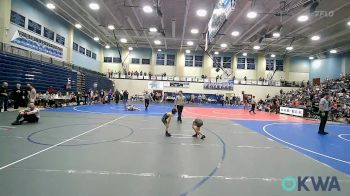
(16, 69)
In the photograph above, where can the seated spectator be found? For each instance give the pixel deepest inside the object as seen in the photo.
(30, 115)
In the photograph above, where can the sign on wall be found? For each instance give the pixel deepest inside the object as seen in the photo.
(218, 85)
(177, 84)
(155, 85)
(292, 111)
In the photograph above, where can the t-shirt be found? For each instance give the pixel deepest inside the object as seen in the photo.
(147, 96)
(33, 111)
(180, 100)
(32, 95)
(324, 105)
(253, 101)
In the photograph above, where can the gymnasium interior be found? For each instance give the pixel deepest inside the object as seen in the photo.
(174, 97)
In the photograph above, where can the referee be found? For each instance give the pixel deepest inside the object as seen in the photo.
(323, 109)
(179, 103)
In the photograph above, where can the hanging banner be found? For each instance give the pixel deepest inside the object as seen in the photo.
(23, 39)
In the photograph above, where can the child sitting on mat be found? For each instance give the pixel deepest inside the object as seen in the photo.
(166, 120)
(196, 126)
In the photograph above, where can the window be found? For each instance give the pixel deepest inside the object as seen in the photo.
(270, 63)
(81, 50)
(88, 53)
(188, 60)
(107, 59)
(198, 61)
(241, 63)
(227, 62)
(135, 61)
(217, 62)
(250, 63)
(93, 55)
(116, 60)
(75, 46)
(279, 65)
(170, 59)
(146, 61)
(160, 59)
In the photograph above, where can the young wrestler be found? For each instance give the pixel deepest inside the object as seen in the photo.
(166, 120)
(196, 126)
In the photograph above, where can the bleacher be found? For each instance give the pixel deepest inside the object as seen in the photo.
(17, 69)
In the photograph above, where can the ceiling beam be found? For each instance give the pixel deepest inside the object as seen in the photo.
(187, 9)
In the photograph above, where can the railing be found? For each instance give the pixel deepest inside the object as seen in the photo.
(201, 80)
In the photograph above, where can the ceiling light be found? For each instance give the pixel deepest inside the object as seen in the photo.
(96, 39)
(201, 12)
(223, 45)
(289, 48)
(50, 6)
(190, 43)
(94, 6)
(276, 34)
(157, 42)
(244, 54)
(252, 14)
(348, 23)
(130, 48)
(78, 26)
(235, 33)
(311, 58)
(153, 29)
(216, 52)
(303, 18)
(111, 27)
(315, 38)
(188, 51)
(333, 51)
(159, 50)
(107, 46)
(147, 9)
(256, 47)
(194, 31)
(272, 55)
(123, 40)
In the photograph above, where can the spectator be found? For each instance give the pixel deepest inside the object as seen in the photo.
(4, 96)
(30, 115)
(17, 96)
(32, 94)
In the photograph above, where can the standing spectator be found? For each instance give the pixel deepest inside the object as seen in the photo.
(116, 96)
(17, 96)
(245, 78)
(32, 94)
(125, 98)
(179, 103)
(4, 96)
(102, 95)
(91, 96)
(324, 109)
(253, 103)
(147, 99)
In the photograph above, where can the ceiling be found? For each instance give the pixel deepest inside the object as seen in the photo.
(179, 17)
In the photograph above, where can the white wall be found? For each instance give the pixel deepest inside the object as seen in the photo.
(139, 86)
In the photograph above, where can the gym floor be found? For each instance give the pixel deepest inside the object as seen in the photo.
(104, 150)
